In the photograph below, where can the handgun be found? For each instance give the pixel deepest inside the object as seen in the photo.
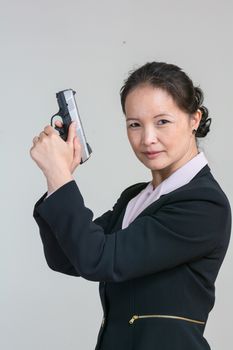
(68, 111)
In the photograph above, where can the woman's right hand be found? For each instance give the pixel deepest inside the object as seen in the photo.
(76, 144)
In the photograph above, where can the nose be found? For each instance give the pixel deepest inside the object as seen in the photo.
(149, 136)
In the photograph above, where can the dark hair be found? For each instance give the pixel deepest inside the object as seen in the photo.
(172, 79)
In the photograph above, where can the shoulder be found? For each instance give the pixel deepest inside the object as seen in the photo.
(203, 202)
(203, 187)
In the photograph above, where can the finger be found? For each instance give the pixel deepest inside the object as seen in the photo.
(48, 130)
(58, 123)
(77, 143)
(42, 135)
(35, 140)
(71, 132)
(77, 150)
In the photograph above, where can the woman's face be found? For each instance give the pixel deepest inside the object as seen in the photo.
(156, 124)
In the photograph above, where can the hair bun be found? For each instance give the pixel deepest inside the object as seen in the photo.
(204, 126)
(199, 97)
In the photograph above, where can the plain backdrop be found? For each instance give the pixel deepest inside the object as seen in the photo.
(90, 46)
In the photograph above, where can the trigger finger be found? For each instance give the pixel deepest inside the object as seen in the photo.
(58, 123)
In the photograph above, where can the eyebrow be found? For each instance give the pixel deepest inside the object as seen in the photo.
(156, 116)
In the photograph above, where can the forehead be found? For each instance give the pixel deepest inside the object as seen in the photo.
(146, 100)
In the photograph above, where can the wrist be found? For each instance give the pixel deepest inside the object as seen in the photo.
(58, 179)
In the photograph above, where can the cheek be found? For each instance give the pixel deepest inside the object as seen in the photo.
(169, 138)
(177, 141)
(133, 139)
(175, 135)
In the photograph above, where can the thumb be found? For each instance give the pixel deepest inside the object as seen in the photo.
(71, 132)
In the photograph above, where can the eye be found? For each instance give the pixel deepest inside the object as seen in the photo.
(133, 125)
(163, 120)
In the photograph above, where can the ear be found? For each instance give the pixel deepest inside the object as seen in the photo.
(196, 119)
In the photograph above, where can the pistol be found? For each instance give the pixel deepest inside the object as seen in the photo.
(68, 111)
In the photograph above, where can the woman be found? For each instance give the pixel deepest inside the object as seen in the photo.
(157, 253)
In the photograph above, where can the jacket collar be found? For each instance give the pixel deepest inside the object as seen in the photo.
(133, 190)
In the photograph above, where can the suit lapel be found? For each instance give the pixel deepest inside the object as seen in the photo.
(119, 210)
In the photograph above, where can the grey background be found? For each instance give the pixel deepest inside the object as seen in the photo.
(90, 46)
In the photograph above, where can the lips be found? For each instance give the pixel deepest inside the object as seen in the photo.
(152, 155)
(154, 152)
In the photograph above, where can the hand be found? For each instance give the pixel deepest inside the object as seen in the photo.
(53, 155)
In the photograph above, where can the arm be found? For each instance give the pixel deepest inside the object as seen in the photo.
(54, 254)
(183, 230)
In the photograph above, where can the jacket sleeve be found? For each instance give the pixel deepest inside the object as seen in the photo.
(54, 254)
(181, 231)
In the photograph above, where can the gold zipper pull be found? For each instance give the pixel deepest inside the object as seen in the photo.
(135, 317)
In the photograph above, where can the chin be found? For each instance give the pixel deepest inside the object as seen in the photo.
(155, 167)
(153, 164)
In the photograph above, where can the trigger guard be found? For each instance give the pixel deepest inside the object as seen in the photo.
(51, 120)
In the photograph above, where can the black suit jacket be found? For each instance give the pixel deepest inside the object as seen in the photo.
(156, 277)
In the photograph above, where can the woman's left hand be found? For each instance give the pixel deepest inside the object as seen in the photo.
(54, 156)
